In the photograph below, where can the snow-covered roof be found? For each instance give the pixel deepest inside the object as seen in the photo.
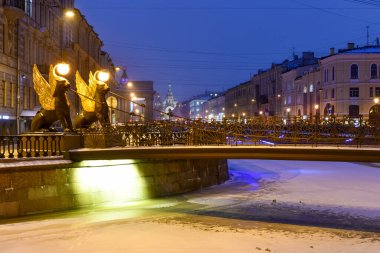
(363, 50)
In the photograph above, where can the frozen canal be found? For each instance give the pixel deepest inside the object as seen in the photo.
(267, 206)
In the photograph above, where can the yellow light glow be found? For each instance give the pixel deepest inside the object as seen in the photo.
(261, 112)
(137, 111)
(103, 75)
(316, 107)
(69, 13)
(132, 95)
(130, 84)
(288, 109)
(109, 182)
(63, 68)
(376, 100)
(117, 68)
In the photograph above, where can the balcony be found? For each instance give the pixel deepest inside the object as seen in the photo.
(14, 9)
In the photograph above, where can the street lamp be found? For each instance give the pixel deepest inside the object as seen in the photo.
(376, 100)
(288, 115)
(69, 13)
(61, 69)
(276, 104)
(102, 75)
(317, 113)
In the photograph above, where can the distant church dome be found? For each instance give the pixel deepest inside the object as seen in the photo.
(169, 103)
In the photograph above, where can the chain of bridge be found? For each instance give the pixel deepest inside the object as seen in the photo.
(196, 133)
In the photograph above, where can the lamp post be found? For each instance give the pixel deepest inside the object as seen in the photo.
(317, 113)
(288, 115)
(278, 97)
(253, 111)
(66, 14)
(320, 102)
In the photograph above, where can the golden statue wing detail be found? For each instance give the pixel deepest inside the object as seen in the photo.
(43, 89)
(85, 94)
(52, 79)
(92, 84)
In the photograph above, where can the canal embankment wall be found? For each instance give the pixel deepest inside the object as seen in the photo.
(33, 187)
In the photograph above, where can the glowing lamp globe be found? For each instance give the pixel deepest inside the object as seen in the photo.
(69, 13)
(63, 68)
(103, 76)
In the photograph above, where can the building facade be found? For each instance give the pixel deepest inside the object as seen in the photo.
(240, 101)
(215, 108)
(38, 32)
(343, 84)
(133, 100)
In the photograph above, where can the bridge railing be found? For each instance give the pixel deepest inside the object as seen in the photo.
(166, 133)
(250, 133)
(33, 145)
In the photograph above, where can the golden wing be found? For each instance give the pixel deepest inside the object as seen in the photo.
(92, 84)
(85, 94)
(52, 79)
(43, 89)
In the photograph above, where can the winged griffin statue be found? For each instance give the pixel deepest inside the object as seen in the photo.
(93, 99)
(53, 99)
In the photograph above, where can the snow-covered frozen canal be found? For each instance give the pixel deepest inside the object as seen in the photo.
(267, 206)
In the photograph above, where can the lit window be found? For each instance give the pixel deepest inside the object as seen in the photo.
(311, 87)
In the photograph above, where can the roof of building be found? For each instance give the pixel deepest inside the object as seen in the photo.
(363, 50)
(373, 49)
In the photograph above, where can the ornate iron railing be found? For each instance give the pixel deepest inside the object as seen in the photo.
(253, 132)
(163, 133)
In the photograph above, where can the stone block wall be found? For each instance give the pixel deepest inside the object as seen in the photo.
(46, 188)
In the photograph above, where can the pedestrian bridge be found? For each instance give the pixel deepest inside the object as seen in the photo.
(283, 152)
(335, 141)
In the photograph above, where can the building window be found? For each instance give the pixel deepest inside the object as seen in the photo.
(31, 106)
(333, 74)
(353, 111)
(4, 94)
(370, 92)
(377, 91)
(354, 71)
(12, 95)
(311, 88)
(26, 96)
(373, 71)
(354, 92)
(333, 93)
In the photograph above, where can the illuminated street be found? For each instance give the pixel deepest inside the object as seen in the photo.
(267, 206)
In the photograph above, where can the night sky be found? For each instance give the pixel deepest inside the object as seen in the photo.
(216, 44)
